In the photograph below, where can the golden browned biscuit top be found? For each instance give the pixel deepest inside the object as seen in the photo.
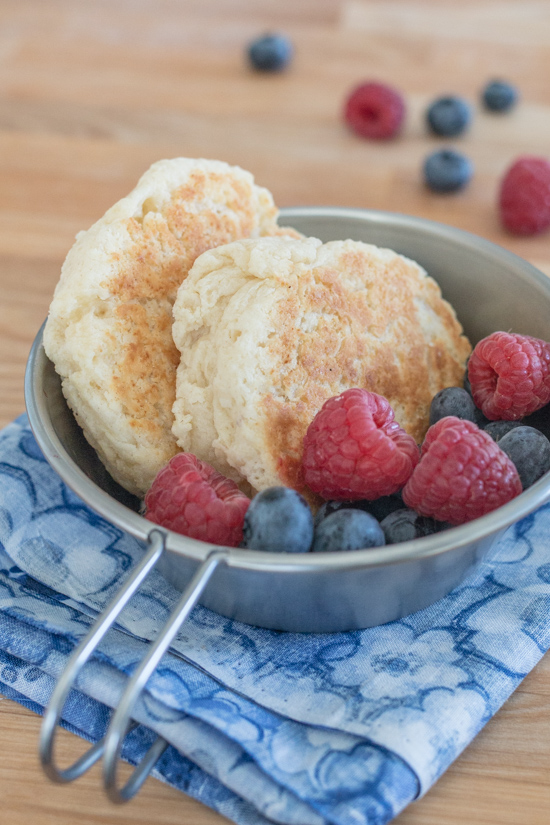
(109, 328)
(295, 323)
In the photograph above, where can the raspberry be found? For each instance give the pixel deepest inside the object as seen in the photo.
(375, 111)
(510, 375)
(462, 474)
(192, 498)
(524, 198)
(353, 448)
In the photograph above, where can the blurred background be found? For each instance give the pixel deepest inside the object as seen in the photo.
(93, 91)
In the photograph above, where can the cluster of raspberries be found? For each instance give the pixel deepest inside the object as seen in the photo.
(355, 450)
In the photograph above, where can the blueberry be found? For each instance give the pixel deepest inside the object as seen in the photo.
(449, 116)
(347, 530)
(529, 449)
(278, 521)
(379, 508)
(480, 419)
(499, 96)
(383, 506)
(329, 507)
(452, 401)
(270, 53)
(498, 429)
(540, 420)
(405, 525)
(447, 171)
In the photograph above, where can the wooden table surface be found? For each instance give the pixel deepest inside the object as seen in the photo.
(93, 91)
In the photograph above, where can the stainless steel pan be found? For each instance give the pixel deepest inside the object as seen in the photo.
(490, 289)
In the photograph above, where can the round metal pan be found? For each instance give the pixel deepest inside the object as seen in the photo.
(490, 289)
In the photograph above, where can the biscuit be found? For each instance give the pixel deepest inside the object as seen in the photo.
(269, 329)
(109, 326)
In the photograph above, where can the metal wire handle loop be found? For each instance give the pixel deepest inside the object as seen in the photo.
(76, 662)
(120, 721)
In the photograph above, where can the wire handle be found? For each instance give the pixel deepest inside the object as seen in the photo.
(76, 662)
(110, 745)
(120, 721)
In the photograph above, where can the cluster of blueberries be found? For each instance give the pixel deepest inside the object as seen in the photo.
(280, 520)
(448, 170)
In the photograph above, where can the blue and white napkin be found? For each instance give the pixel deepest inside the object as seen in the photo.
(344, 728)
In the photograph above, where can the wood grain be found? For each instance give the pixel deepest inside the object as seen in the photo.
(93, 92)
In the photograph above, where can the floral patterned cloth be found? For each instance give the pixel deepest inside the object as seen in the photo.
(263, 726)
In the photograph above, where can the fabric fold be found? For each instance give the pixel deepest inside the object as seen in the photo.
(338, 728)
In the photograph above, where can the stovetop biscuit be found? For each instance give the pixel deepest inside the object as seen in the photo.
(109, 327)
(269, 329)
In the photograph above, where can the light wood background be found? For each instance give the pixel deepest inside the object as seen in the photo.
(93, 91)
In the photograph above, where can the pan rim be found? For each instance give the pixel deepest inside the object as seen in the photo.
(101, 502)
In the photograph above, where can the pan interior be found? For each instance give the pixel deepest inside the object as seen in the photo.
(489, 287)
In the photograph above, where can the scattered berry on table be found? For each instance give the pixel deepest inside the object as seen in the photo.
(347, 530)
(452, 401)
(462, 474)
(406, 524)
(497, 429)
(510, 375)
(529, 449)
(480, 419)
(447, 171)
(278, 521)
(376, 111)
(270, 53)
(499, 96)
(524, 197)
(354, 449)
(192, 498)
(378, 507)
(448, 116)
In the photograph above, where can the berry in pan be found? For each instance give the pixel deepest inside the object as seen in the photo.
(278, 521)
(354, 448)
(190, 497)
(510, 375)
(347, 530)
(529, 449)
(462, 474)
